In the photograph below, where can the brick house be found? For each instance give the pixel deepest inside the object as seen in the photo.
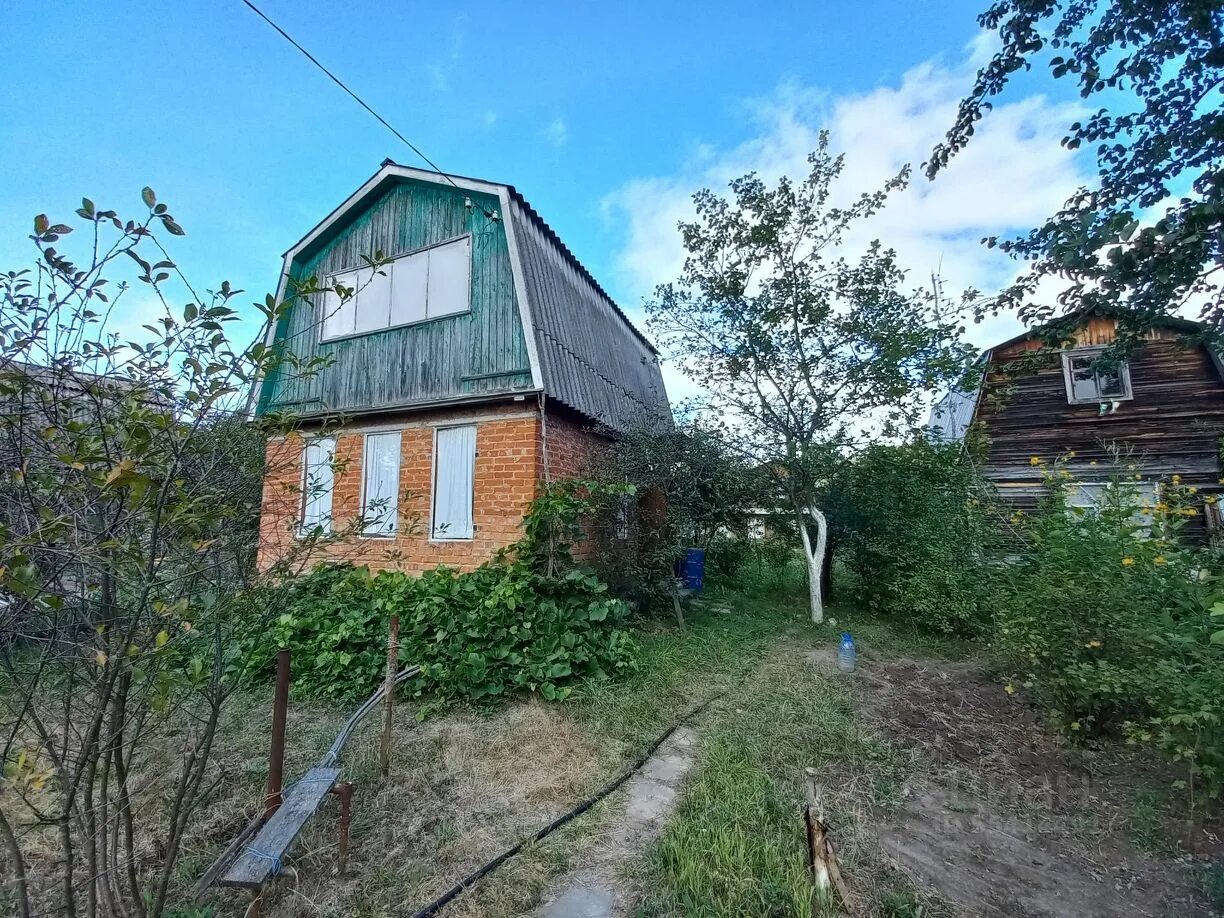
(482, 361)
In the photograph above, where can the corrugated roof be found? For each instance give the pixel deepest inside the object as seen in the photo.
(592, 357)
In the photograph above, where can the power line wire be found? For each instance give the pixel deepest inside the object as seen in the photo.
(335, 79)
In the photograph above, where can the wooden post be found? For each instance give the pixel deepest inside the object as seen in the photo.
(345, 793)
(276, 755)
(384, 752)
(821, 858)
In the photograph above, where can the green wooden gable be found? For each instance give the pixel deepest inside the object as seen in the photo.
(477, 353)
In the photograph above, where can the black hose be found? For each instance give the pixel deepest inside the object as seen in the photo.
(468, 882)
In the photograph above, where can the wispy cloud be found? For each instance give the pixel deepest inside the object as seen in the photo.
(489, 118)
(442, 69)
(556, 133)
(1013, 175)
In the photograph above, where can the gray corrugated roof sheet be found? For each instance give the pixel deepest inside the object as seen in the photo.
(591, 356)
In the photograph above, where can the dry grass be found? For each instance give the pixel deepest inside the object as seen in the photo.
(464, 787)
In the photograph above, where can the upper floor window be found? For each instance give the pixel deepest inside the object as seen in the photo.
(1088, 384)
(428, 284)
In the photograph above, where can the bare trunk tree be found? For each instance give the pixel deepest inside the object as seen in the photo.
(814, 553)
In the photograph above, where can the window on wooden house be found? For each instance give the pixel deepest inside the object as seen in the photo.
(1093, 497)
(317, 479)
(427, 284)
(454, 481)
(1089, 384)
(380, 484)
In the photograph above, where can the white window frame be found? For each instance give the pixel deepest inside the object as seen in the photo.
(1088, 496)
(433, 484)
(1093, 352)
(302, 530)
(393, 509)
(389, 268)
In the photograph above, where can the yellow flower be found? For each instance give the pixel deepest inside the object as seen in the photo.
(1093, 644)
(1191, 490)
(1127, 562)
(1160, 559)
(1071, 454)
(1035, 460)
(1138, 478)
(1010, 689)
(1075, 725)
(1176, 479)
(1210, 500)
(1093, 462)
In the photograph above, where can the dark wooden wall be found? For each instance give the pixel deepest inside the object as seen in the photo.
(1172, 425)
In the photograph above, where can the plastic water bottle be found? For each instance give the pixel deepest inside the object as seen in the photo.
(847, 654)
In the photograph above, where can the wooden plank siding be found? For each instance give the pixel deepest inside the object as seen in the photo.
(1171, 425)
(481, 352)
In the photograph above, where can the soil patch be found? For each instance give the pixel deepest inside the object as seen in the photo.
(1005, 818)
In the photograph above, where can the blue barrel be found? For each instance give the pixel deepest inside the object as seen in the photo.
(692, 568)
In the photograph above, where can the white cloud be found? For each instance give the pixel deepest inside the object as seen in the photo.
(1013, 174)
(489, 118)
(556, 132)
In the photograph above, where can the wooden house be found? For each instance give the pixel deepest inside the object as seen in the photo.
(481, 361)
(1162, 410)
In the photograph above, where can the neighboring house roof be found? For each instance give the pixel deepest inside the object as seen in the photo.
(952, 414)
(584, 350)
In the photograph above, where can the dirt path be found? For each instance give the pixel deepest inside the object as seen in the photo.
(1009, 821)
(640, 809)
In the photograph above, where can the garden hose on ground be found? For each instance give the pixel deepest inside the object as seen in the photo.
(468, 882)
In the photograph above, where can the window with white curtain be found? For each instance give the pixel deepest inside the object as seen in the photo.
(454, 479)
(380, 486)
(428, 284)
(318, 454)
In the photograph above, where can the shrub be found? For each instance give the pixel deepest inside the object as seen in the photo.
(1106, 619)
(913, 535)
(527, 620)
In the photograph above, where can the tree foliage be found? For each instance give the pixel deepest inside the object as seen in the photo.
(128, 531)
(1148, 238)
(803, 350)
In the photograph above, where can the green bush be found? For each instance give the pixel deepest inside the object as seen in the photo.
(529, 620)
(499, 629)
(913, 536)
(1106, 619)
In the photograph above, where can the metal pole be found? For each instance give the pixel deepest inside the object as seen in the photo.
(276, 757)
(389, 697)
(345, 793)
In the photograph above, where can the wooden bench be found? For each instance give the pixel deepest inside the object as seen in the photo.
(261, 859)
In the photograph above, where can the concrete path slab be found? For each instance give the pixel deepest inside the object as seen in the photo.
(639, 811)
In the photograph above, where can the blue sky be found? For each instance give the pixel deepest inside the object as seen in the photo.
(606, 116)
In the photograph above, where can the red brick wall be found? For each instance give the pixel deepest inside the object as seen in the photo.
(507, 469)
(509, 472)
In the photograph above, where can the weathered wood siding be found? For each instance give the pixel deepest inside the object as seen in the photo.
(480, 352)
(1172, 425)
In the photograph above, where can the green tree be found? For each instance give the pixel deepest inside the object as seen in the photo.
(803, 352)
(1148, 238)
(128, 530)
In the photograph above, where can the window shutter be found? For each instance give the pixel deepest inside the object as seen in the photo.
(317, 457)
(380, 507)
(454, 478)
(450, 280)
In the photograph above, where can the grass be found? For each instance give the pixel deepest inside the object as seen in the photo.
(735, 845)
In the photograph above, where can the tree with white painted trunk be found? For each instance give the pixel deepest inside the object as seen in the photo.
(804, 342)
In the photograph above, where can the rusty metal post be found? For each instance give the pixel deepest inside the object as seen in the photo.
(384, 752)
(345, 793)
(276, 756)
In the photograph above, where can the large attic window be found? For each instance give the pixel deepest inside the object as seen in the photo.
(1087, 384)
(427, 284)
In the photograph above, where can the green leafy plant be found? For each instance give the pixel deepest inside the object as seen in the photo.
(1107, 619)
(528, 620)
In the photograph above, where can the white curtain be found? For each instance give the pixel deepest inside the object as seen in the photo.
(380, 508)
(317, 458)
(454, 477)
